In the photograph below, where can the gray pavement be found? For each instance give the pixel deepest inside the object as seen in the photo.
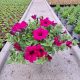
(40, 8)
(62, 67)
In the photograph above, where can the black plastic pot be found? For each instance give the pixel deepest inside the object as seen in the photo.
(0, 49)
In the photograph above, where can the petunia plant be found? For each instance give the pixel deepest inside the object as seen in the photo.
(39, 39)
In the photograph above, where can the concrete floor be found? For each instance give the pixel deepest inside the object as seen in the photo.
(62, 67)
(39, 8)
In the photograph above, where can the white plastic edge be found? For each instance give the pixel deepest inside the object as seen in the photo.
(4, 54)
(26, 12)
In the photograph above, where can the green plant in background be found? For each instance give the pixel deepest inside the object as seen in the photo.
(71, 13)
(1, 43)
(65, 14)
(70, 9)
(66, 11)
(72, 19)
(77, 28)
(77, 10)
(10, 12)
(70, 16)
(57, 8)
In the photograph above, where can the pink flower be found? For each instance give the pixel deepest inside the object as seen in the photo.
(30, 53)
(69, 43)
(41, 51)
(17, 46)
(45, 22)
(12, 33)
(56, 38)
(18, 27)
(40, 34)
(34, 17)
(57, 42)
(53, 23)
(23, 25)
(49, 57)
(15, 28)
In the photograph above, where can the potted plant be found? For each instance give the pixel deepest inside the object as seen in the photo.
(57, 9)
(64, 16)
(71, 23)
(66, 12)
(77, 31)
(38, 40)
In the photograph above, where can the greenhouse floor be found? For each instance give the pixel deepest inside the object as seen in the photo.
(64, 65)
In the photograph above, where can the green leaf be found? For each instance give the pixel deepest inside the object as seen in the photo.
(41, 60)
(75, 42)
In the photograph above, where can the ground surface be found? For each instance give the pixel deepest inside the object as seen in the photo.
(63, 66)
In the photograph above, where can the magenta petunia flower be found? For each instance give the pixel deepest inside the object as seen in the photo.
(53, 23)
(18, 27)
(40, 34)
(56, 38)
(57, 42)
(41, 51)
(23, 25)
(34, 17)
(49, 57)
(45, 22)
(30, 53)
(69, 43)
(17, 46)
(12, 33)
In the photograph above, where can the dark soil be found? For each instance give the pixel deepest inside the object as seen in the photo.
(3, 45)
(63, 5)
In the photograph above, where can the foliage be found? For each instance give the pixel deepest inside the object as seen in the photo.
(1, 43)
(70, 13)
(55, 40)
(57, 8)
(77, 29)
(72, 19)
(10, 12)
